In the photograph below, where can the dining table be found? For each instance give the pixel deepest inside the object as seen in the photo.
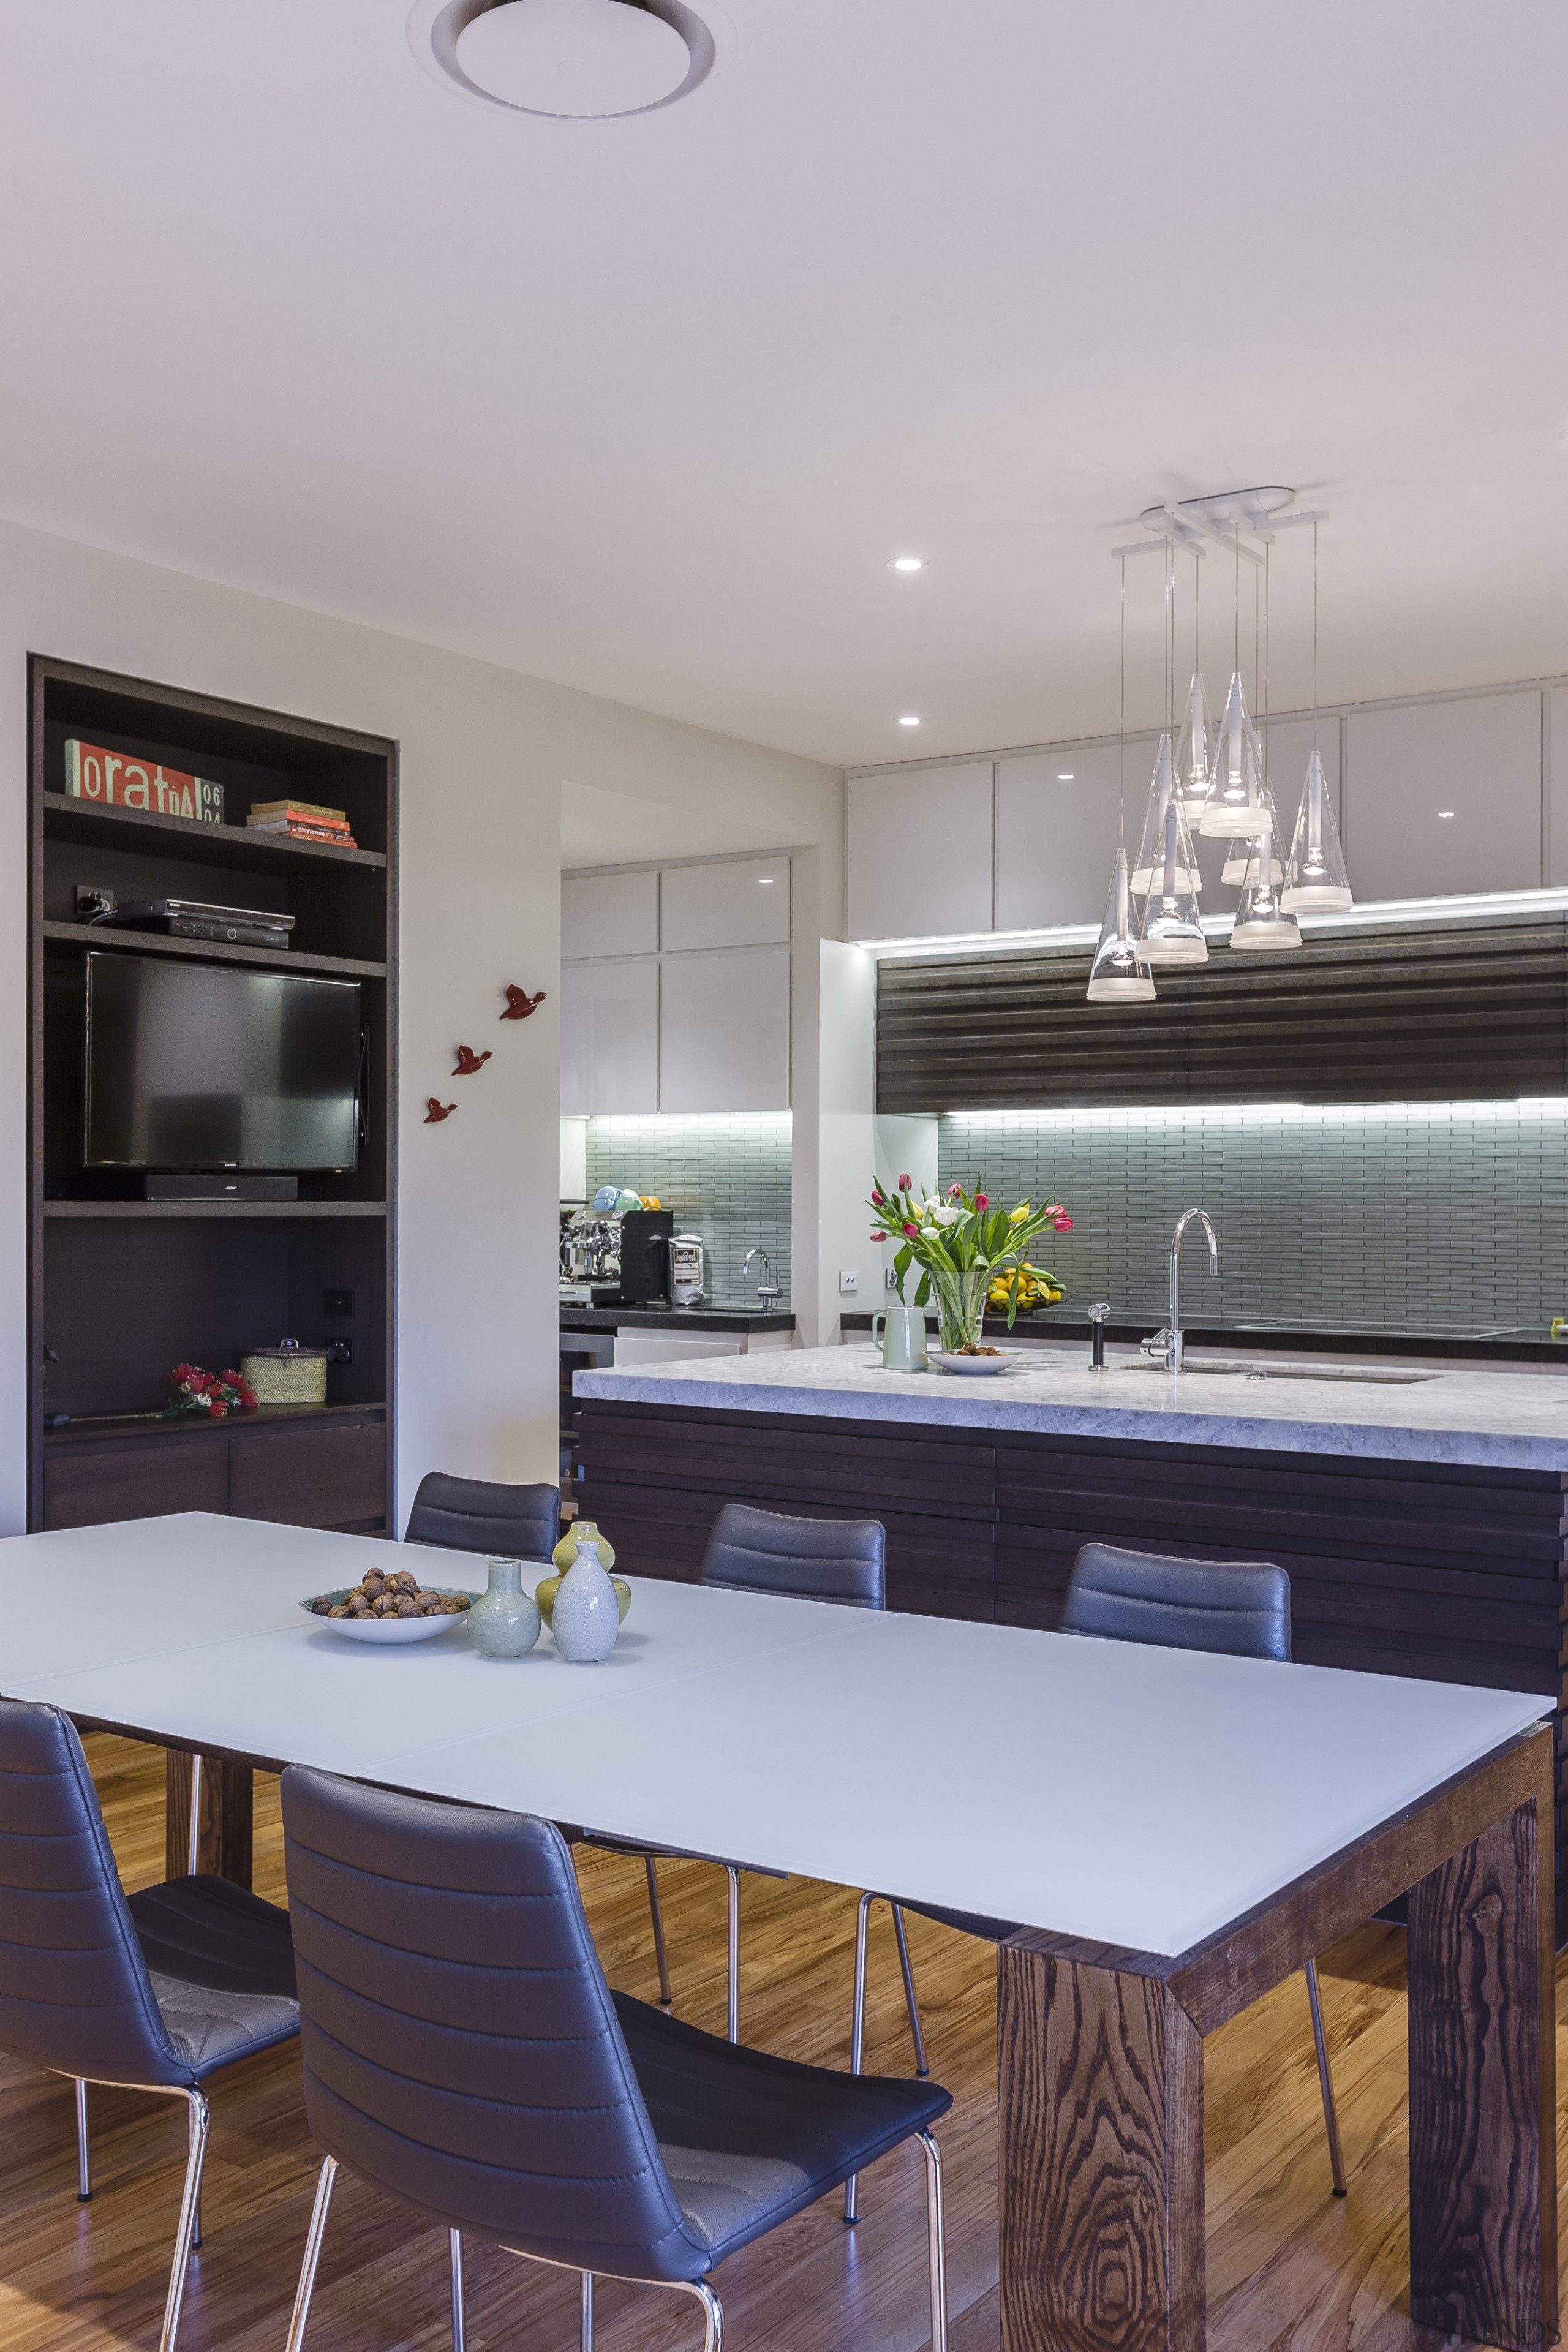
(1173, 1832)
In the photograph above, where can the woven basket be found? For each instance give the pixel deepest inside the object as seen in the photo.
(287, 1374)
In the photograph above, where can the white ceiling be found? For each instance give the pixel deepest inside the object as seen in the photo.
(604, 828)
(646, 405)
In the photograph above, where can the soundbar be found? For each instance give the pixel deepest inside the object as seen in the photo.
(222, 1187)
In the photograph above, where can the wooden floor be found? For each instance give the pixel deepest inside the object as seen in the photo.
(1290, 2269)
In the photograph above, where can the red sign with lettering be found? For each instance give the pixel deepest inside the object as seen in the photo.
(120, 779)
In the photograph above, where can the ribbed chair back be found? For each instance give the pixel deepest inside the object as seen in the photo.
(808, 1560)
(461, 2050)
(472, 1515)
(1240, 1608)
(75, 1994)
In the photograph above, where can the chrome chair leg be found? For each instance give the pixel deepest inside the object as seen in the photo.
(937, 2243)
(194, 1834)
(587, 2311)
(857, 2033)
(910, 2003)
(1326, 2082)
(456, 2237)
(197, 2233)
(314, 2238)
(734, 1878)
(190, 2205)
(83, 2153)
(658, 1917)
(714, 2312)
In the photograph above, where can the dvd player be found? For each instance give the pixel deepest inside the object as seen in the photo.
(193, 918)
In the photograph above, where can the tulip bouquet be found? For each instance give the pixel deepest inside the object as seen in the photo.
(961, 1243)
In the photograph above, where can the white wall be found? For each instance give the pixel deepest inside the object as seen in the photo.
(484, 752)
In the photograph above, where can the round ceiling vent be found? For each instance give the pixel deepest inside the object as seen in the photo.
(580, 61)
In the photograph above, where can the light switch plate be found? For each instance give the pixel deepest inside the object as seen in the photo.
(847, 1278)
(889, 1278)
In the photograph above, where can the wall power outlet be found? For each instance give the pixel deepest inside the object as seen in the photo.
(848, 1279)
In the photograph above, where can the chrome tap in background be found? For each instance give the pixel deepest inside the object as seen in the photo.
(767, 1289)
(1168, 1342)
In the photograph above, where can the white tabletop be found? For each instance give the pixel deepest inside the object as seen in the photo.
(1128, 1795)
(1481, 1419)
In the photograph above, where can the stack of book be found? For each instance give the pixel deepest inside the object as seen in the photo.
(301, 821)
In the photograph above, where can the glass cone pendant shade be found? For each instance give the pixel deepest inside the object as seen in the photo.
(1237, 773)
(1114, 977)
(1193, 753)
(1238, 858)
(1315, 876)
(1151, 856)
(1171, 932)
(1259, 922)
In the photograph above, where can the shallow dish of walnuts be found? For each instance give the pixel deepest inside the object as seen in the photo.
(390, 1605)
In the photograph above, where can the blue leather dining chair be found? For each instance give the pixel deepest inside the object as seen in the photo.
(157, 1992)
(1242, 1609)
(474, 1514)
(464, 2056)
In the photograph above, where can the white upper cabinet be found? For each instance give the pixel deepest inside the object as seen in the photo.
(609, 914)
(1057, 829)
(739, 903)
(609, 1035)
(725, 1031)
(1444, 798)
(919, 852)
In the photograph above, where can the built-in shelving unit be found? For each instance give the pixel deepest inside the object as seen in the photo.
(124, 1288)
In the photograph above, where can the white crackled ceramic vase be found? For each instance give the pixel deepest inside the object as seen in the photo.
(586, 1616)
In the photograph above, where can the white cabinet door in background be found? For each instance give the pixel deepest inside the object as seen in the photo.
(1057, 826)
(739, 903)
(609, 914)
(1480, 761)
(609, 1037)
(919, 852)
(725, 1031)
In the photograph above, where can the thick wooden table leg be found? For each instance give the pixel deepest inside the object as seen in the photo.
(1483, 2147)
(1100, 2126)
(225, 1825)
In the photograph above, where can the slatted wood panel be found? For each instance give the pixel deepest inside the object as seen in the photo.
(1463, 1012)
(1429, 1570)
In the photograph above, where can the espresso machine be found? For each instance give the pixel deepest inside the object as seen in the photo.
(615, 1258)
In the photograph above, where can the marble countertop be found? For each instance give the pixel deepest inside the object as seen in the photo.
(1512, 1420)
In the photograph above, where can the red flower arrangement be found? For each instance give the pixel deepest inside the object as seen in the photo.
(214, 1393)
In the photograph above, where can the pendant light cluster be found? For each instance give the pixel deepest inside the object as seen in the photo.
(1217, 788)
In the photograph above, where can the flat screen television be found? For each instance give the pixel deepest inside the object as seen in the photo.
(207, 1067)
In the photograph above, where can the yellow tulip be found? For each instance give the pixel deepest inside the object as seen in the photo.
(1019, 1214)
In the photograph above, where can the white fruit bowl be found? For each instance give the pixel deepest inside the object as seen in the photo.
(388, 1631)
(973, 1366)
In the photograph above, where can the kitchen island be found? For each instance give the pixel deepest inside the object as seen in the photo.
(1421, 1519)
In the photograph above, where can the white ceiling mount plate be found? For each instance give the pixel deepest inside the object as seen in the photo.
(564, 60)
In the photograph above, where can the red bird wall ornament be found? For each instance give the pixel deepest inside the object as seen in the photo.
(468, 1061)
(436, 1111)
(519, 1004)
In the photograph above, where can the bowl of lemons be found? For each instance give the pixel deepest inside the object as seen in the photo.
(1024, 1287)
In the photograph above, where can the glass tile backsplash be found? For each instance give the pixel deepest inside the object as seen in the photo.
(1446, 1216)
(726, 1175)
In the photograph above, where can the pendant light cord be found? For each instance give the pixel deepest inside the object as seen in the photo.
(1235, 665)
(1122, 784)
(1197, 598)
(1314, 630)
(1267, 551)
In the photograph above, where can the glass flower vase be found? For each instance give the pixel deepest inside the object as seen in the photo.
(960, 1303)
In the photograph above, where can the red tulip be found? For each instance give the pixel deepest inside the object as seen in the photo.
(953, 1192)
(905, 1183)
(876, 1198)
(912, 1232)
(878, 1234)
(981, 1202)
(1062, 1224)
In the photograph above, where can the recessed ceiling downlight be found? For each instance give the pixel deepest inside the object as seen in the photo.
(580, 61)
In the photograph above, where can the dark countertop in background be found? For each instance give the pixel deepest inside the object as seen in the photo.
(674, 1318)
(1522, 1347)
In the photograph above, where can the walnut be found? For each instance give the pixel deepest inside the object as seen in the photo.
(339, 1611)
(321, 1608)
(400, 1581)
(408, 1606)
(427, 1600)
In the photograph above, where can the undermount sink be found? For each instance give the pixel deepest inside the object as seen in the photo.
(1240, 1368)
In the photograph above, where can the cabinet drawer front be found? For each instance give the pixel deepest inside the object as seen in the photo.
(332, 1477)
(136, 1482)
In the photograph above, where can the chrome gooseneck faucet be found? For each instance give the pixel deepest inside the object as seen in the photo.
(767, 1289)
(1167, 1344)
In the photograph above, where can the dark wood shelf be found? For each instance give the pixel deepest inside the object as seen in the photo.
(83, 935)
(196, 1424)
(214, 1208)
(214, 844)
